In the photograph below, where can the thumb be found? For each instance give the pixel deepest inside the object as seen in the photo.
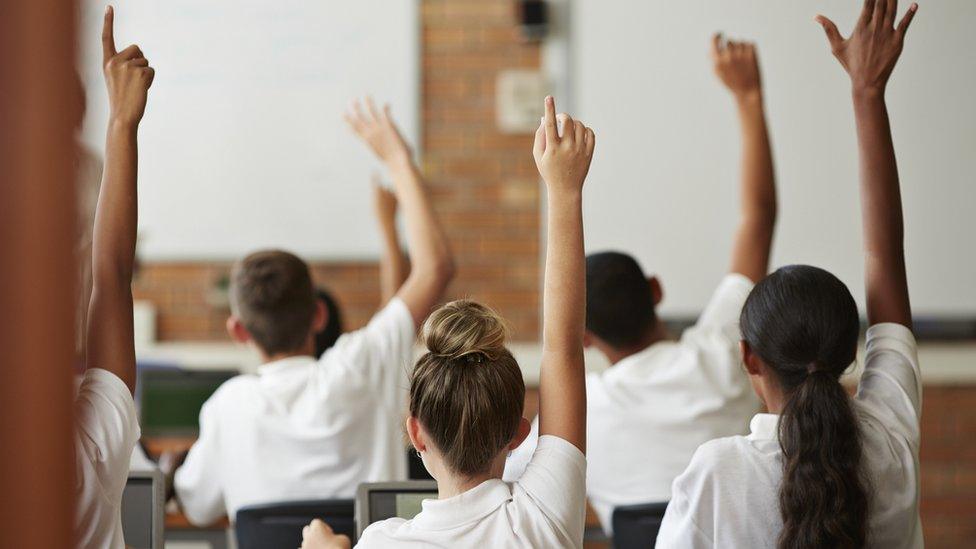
(108, 34)
(539, 146)
(833, 35)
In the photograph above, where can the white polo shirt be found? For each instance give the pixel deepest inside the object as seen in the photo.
(303, 428)
(106, 431)
(728, 496)
(546, 507)
(648, 413)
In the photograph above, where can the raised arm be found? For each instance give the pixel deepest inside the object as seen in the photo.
(563, 162)
(430, 253)
(394, 267)
(110, 338)
(737, 66)
(869, 56)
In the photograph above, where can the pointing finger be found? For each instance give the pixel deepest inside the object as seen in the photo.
(552, 135)
(866, 12)
(108, 34)
(716, 44)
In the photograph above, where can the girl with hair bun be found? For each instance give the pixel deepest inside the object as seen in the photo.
(467, 394)
(823, 469)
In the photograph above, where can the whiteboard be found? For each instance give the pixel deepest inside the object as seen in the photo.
(243, 145)
(664, 184)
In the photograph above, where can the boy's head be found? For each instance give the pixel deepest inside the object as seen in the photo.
(273, 303)
(620, 300)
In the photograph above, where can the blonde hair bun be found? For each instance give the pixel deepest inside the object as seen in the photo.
(464, 328)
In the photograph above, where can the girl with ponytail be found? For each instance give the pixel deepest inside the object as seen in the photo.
(822, 469)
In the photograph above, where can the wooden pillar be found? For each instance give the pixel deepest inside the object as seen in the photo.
(37, 52)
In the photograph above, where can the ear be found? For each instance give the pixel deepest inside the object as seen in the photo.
(416, 434)
(523, 430)
(237, 331)
(754, 365)
(657, 291)
(587, 339)
(320, 318)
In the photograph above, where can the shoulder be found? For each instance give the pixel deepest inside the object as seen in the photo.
(711, 460)
(380, 533)
(234, 390)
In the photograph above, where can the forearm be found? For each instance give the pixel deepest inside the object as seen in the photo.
(393, 265)
(754, 236)
(114, 236)
(881, 209)
(430, 251)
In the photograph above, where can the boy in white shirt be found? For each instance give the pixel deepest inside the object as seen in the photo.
(315, 428)
(662, 398)
(106, 428)
(467, 396)
(822, 469)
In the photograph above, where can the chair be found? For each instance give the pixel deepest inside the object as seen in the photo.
(636, 526)
(279, 525)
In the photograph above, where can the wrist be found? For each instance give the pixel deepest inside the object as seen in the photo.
(861, 92)
(120, 123)
(565, 193)
(749, 99)
(399, 160)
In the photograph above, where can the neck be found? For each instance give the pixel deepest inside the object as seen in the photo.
(306, 350)
(655, 334)
(452, 485)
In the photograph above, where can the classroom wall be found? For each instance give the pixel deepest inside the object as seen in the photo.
(484, 184)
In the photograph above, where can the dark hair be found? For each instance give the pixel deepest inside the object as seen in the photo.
(619, 303)
(803, 323)
(271, 293)
(467, 391)
(325, 339)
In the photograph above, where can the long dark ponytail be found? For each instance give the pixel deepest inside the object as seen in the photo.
(803, 323)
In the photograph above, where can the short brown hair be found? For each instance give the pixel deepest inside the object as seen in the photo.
(467, 391)
(271, 294)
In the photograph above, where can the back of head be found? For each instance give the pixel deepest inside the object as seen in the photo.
(271, 294)
(467, 391)
(803, 323)
(619, 302)
(325, 339)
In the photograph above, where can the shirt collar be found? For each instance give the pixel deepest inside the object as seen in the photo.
(283, 365)
(764, 427)
(464, 508)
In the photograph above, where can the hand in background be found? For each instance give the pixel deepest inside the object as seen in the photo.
(377, 129)
(870, 53)
(737, 65)
(384, 201)
(128, 75)
(563, 161)
(318, 535)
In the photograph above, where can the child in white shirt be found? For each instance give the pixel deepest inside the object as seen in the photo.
(822, 469)
(467, 395)
(106, 428)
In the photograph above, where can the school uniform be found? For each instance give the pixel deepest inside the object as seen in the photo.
(106, 431)
(648, 413)
(728, 496)
(546, 507)
(303, 428)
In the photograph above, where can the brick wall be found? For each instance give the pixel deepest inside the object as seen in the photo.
(484, 185)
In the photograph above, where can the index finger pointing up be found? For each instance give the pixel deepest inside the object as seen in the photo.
(552, 136)
(108, 35)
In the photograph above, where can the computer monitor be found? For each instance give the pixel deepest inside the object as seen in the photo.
(377, 501)
(170, 398)
(142, 510)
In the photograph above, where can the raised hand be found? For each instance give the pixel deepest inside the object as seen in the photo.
(318, 535)
(870, 53)
(737, 65)
(377, 129)
(563, 161)
(128, 75)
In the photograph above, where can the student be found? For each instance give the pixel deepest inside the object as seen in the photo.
(307, 428)
(106, 427)
(823, 469)
(688, 391)
(467, 395)
(394, 268)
